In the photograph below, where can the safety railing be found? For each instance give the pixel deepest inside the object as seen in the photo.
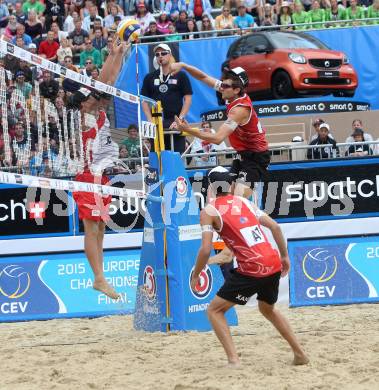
(288, 153)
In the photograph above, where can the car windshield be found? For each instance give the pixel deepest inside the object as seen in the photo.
(294, 41)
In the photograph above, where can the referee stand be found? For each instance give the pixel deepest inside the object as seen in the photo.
(171, 239)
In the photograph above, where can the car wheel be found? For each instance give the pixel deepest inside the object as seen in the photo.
(344, 94)
(282, 85)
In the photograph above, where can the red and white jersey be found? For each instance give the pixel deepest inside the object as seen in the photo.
(100, 152)
(250, 136)
(242, 234)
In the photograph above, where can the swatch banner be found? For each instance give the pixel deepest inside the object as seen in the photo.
(30, 212)
(334, 270)
(356, 43)
(47, 286)
(322, 190)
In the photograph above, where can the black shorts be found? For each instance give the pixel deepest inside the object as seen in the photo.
(239, 288)
(250, 167)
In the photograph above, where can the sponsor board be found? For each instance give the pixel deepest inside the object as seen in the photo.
(313, 190)
(294, 108)
(334, 270)
(32, 212)
(189, 232)
(60, 285)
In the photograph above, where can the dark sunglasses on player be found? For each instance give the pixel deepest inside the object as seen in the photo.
(226, 86)
(161, 53)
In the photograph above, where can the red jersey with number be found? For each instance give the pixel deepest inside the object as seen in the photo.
(250, 136)
(242, 234)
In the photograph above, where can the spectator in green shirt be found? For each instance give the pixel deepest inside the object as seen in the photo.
(22, 85)
(316, 14)
(334, 13)
(354, 12)
(373, 12)
(132, 142)
(90, 51)
(299, 16)
(105, 50)
(173, 35)
(35, 5)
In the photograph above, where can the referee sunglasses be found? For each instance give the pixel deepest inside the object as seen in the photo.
(161, 53)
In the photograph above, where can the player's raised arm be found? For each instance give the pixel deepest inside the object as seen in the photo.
(196, 73)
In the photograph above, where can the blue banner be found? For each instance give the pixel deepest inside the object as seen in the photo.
(47, 286)
(182, 219)
(356, 43)
(334, 271)
(151, 303)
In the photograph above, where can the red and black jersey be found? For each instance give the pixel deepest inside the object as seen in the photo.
(249, 136)
(243, 235)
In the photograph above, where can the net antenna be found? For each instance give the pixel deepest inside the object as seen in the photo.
(70, 158)
(4, 114)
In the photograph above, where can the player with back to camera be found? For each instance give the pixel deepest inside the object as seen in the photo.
(260, 267)
(100, 154)
(243, 128)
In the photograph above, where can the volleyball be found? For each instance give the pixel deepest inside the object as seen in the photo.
(129, 30)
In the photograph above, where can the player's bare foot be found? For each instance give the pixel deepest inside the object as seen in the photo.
(300, 360)
(234, 363)
(104, 287)
(224, 257)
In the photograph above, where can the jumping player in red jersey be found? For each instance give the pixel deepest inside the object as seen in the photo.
(243, 128)
(100, 153)
(259, 268)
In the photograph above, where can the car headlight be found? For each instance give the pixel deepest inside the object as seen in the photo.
(297, 58)
(345, 60)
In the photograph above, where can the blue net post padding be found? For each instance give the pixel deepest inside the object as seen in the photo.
(184, 309)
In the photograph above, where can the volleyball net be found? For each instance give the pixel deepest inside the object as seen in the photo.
(41, 131)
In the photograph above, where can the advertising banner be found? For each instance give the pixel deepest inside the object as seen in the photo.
(294, 107)
(31, 212)
(47, 286)
(322, 190)
(334, 270)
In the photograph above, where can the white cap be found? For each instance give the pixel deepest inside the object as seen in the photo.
(220, 174)
(32, 46)
(324, 125)
(162, 46)
(297, 138)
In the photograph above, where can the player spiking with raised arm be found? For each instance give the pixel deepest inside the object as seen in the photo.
(239, 222)
(100, 153)
(243, 128)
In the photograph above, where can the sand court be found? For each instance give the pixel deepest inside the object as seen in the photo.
(107, 353)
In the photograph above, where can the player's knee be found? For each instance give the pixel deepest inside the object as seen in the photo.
(266, 309)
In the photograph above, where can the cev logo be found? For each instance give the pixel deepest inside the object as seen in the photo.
(14, 282)
(319, 265)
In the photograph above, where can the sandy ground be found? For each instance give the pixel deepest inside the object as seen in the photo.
(106, 353)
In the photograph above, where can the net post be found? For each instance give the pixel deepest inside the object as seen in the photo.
(157, 117)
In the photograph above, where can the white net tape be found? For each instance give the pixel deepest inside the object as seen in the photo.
(38, 167)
